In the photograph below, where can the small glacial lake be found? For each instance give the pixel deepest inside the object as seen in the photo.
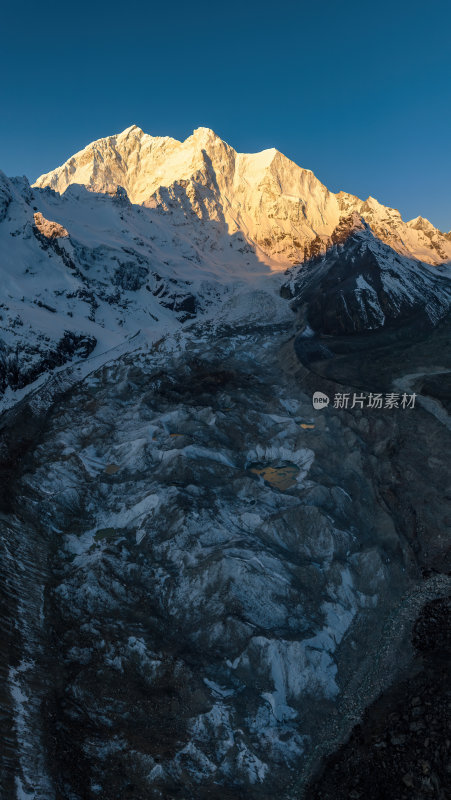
(282, 477)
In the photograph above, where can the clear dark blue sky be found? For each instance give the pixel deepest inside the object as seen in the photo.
(359, 92)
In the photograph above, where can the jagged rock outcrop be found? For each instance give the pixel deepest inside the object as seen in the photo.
(49, 229)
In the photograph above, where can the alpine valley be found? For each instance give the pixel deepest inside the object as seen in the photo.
(207, 583)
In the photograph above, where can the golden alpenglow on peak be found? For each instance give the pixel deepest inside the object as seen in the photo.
(282, 209)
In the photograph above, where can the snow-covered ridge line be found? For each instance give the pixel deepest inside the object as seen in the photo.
(283, 211)
(362, 284)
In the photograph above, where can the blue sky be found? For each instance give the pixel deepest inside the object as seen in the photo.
(359, 92)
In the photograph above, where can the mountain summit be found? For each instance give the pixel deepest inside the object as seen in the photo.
(281, 209)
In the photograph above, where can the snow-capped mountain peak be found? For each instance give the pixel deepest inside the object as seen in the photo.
(284, 212)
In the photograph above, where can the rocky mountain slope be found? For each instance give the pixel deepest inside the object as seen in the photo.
(207, 580)
(361, 284)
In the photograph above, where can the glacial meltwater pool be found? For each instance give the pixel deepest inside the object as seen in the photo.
(282, 477)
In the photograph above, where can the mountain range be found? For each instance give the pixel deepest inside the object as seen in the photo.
(144, 234)
(283, 211)
(207, 579)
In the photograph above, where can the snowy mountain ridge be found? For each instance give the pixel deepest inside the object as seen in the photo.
(283, 210)
(361, 284)
(83, 271)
